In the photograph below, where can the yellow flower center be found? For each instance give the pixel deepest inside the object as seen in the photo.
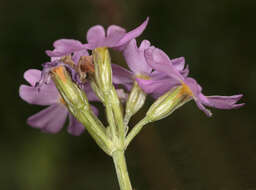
(186, 90)
(60, 72)
(145, 77)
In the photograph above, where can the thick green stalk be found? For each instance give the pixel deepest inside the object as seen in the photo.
(110, 116)
(121, 170)
(106, 91)
(118, 115)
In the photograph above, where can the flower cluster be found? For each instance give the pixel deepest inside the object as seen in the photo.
(150, 70)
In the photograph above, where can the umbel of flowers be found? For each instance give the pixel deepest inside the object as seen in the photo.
(73, 78)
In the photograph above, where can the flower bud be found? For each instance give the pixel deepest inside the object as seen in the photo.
(135, 101)
(70, 92)
(167, 103)
(96, 90)
(77, 103)
(103, 71)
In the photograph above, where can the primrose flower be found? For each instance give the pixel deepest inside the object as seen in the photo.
(161, 63)
(73, 55)
(52, 118)
(136, 61)
(116, 36)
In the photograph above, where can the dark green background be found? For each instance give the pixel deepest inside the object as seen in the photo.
(185, 151)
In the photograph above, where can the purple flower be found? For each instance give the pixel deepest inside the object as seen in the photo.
(53, 117)
(135, 59)
(67, 52)
(116, 36)
(161, 63)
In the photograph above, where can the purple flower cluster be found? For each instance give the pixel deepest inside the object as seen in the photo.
(149, 66)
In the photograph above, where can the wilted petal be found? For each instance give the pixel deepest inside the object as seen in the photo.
(135, 58)
(78, 54)
(49, 120)
(65, 47)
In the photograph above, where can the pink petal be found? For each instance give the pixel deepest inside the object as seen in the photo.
(159, 61)
(135, 58)
(145, 44)
(121, 75)
(49, 120)
(89, 93)
(178, 63)
(155, 75)
(65, 47)
(133, 33)
(32, 76)
(202, 107)
(114, 34)
(96, 35)
(75, 127)
(157, 87)
(47, 95)
(223, 102)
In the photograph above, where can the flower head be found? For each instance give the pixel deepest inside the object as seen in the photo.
(175, 76)
(52, 118)
(140, 69)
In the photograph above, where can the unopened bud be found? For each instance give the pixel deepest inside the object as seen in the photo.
(70, 92)
(103, 72)
(167, 103)
(96, 90)
(136, 100)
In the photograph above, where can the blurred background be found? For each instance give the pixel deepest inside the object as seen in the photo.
(187, 151)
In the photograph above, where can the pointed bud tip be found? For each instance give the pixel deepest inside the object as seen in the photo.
(59, 71)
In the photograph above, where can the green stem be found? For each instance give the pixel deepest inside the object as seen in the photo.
(110, 114)
(121, 170)
(135, 130)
